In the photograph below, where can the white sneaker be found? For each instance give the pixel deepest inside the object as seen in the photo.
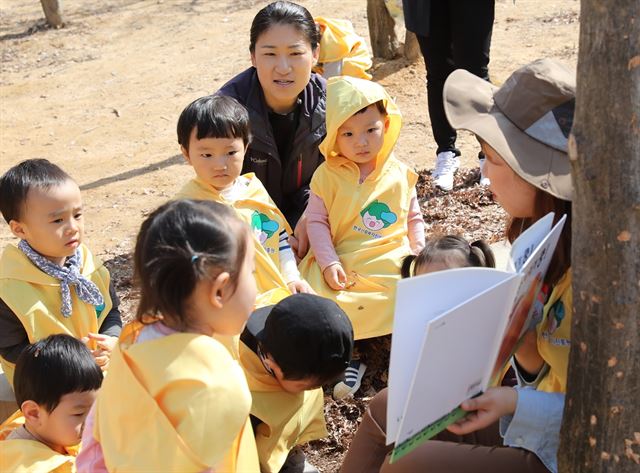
(484, 181)
(352, 380)
(447, 163)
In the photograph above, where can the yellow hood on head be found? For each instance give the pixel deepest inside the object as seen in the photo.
(348, 95)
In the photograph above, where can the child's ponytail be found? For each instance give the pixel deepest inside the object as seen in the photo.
(480, 254)
(407, 269)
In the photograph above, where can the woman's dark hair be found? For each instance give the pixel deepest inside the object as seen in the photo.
(16, 183)
(180, 243)
(543, 204)
(214, 116)
(284, 13)
(450, 250)
(52, 367)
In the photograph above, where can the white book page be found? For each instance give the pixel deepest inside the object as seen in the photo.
(419, 300)
(523, 246)
(457, 356)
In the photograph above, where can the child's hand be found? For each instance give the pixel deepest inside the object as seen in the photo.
(335, 276)
(487, 409)
(104, 345)
(300, 286)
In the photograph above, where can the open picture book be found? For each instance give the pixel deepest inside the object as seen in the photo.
(455, 331)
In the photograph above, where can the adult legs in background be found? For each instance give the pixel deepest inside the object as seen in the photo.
(459, 37)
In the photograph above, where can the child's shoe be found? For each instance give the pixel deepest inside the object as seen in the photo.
(297, 463)
(447, 163)
(351, 382)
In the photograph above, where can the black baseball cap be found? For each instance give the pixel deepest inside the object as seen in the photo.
(307, 336)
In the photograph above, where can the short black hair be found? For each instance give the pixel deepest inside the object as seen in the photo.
(16, 183)
(52, 367)
(214, 116)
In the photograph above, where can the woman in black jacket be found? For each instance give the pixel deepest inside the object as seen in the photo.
(286, 104)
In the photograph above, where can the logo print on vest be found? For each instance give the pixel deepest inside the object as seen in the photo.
(263, 227)
(554, 318)
(377, 215)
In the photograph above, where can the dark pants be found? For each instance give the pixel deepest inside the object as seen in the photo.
(459, 38)
(446, 453)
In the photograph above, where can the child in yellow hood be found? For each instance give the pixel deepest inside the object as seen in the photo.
(50, 282)
(56, 382)
(213, 133)
(342, 50)
(288, 351)
(363, 213)
(175, 399)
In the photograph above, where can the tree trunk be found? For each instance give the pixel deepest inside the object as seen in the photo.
(601, 424)
(53, 12)
(384, 42)
(411, 46)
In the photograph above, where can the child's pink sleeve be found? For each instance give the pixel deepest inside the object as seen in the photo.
(415, 224)
(90, 459)
(319, 232)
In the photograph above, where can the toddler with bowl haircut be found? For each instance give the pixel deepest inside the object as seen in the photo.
(213, 133)
(288, 351)
(56, 382)
(50, 282)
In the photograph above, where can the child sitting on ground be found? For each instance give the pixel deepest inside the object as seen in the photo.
(288, 352)
(342, 51)
(363, 215)
(175, 399)
(213, 133)
(56, 382)
(448, 252)
(50, 282)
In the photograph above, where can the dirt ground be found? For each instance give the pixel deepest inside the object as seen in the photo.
(101, 98)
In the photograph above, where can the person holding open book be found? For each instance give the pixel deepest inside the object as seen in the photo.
(523, 128)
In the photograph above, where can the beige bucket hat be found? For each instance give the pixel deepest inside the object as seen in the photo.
(527, 120)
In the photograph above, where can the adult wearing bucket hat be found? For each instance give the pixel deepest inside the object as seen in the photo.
(523, 127)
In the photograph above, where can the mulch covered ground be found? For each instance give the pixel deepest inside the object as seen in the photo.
(467, 210)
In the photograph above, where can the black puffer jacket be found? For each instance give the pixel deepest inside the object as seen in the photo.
(288, 186)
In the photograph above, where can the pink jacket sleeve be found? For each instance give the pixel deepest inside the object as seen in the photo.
(415, 225)
(90, 459)
(319, 232)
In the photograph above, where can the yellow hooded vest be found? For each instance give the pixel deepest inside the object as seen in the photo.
(342, 50)
(177, 403)
(554, 336)
(31, 456)
(258, 210)
(34, 297)
(369, 220)
(288, 419)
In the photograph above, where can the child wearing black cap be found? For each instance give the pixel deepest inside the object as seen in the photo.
(288, 352)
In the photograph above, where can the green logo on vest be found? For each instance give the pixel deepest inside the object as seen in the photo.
(377, 215)
(263, 227)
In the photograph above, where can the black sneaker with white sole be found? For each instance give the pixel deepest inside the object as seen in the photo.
(352, 379)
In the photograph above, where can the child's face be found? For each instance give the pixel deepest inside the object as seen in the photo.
(217, 161)
(292, 386)
(361, 137)
(62, 427)
(51, 221)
